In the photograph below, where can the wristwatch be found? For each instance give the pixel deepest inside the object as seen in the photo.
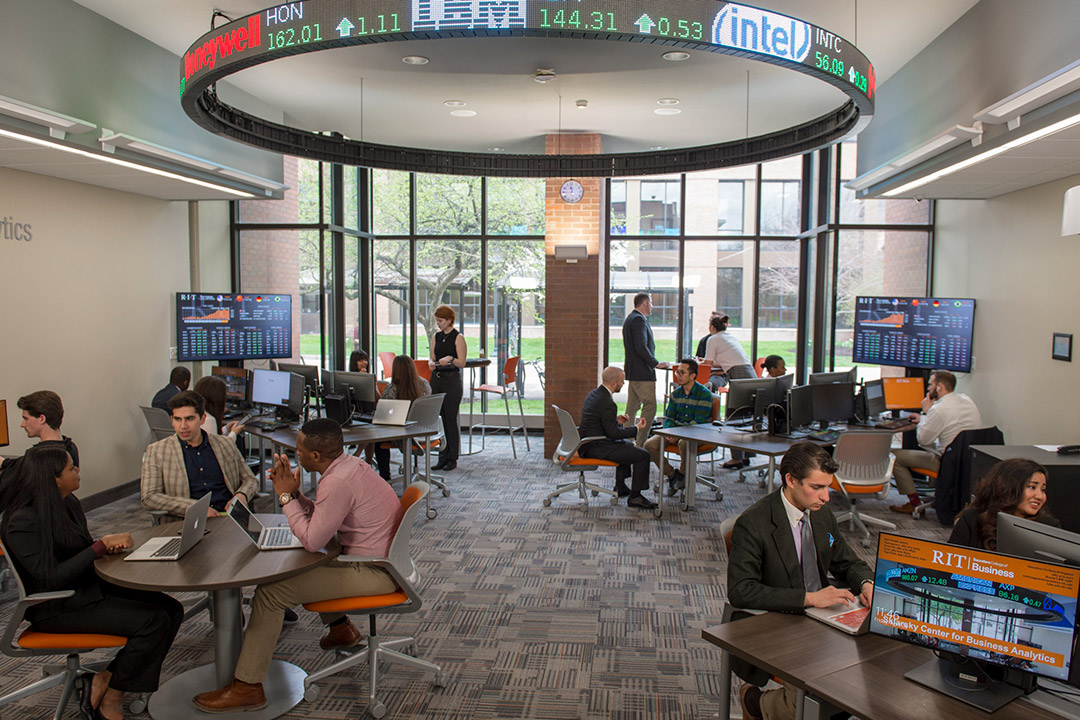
(284, 498)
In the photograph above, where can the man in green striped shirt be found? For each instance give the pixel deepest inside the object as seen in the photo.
(688, 404)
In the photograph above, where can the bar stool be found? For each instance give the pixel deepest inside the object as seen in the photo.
(509, 386)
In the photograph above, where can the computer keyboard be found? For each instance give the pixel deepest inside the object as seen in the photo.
(893, 424)
(266, 424)
(277, 536)
(825, 435)
(170, 548)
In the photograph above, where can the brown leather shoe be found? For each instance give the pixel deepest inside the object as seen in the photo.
(907, 508)
(237, 695)
(342, 635)
(750, 699)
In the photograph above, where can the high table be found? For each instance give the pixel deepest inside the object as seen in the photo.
(223, 563)
(360, 435)
(861, 675)
(471, 364)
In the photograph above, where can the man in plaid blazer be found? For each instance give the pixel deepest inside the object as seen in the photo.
(180, 469)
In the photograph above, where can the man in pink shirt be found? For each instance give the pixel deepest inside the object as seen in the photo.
(352, 502)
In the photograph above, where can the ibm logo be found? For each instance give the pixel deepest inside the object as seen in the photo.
(468, 14)
(747, 28)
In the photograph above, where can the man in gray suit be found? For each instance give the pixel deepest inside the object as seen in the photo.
(769, 570)
(641, 363)
(179, 469)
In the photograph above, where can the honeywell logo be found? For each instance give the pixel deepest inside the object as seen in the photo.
(747, 28)
(223, 46)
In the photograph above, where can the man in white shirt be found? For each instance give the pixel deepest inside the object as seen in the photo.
(946, 414)
(725, 352)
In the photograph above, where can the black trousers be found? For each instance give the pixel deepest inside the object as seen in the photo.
(449, 383)
(633, 461)
(149, 620)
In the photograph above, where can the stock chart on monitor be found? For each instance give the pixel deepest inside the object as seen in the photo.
(914, 332)
(216, 326)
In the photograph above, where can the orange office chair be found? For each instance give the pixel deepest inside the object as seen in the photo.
(33, 643)
(399, 564)
(509, 385)
(703, 449)
(567, 458)
(386, 359)
(422, 368)
(759, 366)
(704, 370)
(424, 415)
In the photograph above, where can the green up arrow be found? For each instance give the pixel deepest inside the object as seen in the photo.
(645, 24)
(345, 27)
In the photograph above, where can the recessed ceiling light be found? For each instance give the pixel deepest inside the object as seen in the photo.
(668, 101)
(454, 103)
(676, 56)
(582, 104)
(667, 111)
(415, 60)
(462, 113)
(658, 147)
(495, 149)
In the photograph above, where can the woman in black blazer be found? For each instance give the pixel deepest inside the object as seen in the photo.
(1016, 486)
(45, 533)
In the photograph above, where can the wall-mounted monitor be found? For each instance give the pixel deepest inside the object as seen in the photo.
(930, 333)
(220, 326)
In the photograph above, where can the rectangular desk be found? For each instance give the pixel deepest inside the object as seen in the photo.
(860, 675)
(1062, 481)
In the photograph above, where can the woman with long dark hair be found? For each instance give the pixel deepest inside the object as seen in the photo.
(1016, 486)
(213, 390)
(45, 533)
(405, 384)
(359, 361)
(448, 353)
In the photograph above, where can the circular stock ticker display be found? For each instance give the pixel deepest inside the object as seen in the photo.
(702, 25)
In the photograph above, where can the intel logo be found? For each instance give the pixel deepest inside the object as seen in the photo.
(754, 30)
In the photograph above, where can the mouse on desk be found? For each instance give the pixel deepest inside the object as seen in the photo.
(1069, 450)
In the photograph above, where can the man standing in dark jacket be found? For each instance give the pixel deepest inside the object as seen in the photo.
(600, 418)
(641, 364)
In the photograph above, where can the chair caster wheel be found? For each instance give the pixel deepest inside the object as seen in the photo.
(311, 693)
(377, 710)
(440, 680)
(761, 484)
(614, 500)
(547, 502)
(719, 496)
(595, 493)
(658, 513)
(742, 477)
(138, 704)
(432, 514)
(445, 493)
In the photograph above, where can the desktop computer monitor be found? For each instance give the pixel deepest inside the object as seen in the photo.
(873, 394)
(1032, 539)
(800, 407)
(994, 620)
(310, 373)
(833, 402)
(361, 387)
(4, 439)
(236, 381)
(846, 376)
(748, 398)
(271, 387)
(903, 393)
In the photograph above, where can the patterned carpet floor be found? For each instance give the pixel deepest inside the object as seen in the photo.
(532, 612)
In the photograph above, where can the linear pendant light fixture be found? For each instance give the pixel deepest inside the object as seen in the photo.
(58, 124)
(952, 137)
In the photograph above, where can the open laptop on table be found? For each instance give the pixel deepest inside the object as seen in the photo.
(854, 619)
(173, 548)
(391, 412)
(265, 538)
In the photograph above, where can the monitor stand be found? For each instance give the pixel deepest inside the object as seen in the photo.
(945, 677)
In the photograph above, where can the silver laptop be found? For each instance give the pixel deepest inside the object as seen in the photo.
(173, 548)
(854, 619)
(391, 412)
(265, 538)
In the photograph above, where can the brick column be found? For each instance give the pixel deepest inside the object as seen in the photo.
(574, 309)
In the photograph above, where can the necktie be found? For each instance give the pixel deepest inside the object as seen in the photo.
(811, 579)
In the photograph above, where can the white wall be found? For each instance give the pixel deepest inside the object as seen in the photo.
(1009, 255)
(88, 311)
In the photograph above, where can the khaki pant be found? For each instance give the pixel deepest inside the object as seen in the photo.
(641, 394)
(907, 459)
(655, 445)
(778, 704)
(326, 582)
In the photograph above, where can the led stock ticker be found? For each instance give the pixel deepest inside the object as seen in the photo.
(703, 25)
